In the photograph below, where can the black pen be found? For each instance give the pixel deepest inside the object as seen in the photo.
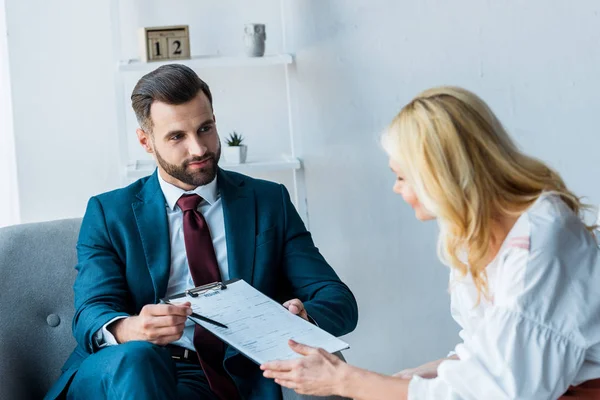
(202, 318)
(210, 321)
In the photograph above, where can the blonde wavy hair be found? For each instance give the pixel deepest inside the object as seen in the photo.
(466, 171)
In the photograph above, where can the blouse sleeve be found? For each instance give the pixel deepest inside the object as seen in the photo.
(511, 355)
(455, 311)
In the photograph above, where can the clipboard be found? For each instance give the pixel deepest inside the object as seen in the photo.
(195, 292)
(256, 325)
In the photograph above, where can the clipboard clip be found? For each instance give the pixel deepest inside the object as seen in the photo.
(197, 291)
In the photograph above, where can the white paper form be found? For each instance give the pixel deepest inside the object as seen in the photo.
(257, 325)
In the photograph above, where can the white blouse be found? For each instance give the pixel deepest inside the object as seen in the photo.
(540, 332)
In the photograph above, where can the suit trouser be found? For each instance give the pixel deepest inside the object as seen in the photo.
(138, 370)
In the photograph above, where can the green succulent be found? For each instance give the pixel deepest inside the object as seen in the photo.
(234, 139)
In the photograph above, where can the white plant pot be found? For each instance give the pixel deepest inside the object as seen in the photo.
(235, 154)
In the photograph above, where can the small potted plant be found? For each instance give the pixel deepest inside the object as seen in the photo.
(235, 152)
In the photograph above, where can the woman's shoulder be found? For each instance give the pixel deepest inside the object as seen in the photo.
(552, 221)
(548, 257)
(549, 228)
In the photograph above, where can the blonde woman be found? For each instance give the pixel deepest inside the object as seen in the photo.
(525, 269)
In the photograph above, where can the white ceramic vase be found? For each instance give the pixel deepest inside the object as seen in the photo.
(254, 39)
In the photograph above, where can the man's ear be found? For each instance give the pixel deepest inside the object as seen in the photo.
(144, 139)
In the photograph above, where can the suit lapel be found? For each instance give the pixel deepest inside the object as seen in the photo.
(151, 219)
(239, 213)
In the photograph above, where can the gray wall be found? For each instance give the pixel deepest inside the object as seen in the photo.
(535, 62)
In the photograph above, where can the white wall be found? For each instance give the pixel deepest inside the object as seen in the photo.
(9, 196)
(536, 64)
(63, 103)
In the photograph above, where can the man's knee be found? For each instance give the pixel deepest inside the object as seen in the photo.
(137, 352)
(124, 368)
(131, 355)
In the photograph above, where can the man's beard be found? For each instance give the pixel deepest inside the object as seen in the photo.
(199, 176)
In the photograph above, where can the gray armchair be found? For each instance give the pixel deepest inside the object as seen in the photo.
(36, 306)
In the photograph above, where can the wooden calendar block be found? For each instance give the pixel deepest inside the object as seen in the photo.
(164, 43)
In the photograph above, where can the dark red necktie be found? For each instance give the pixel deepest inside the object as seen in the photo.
(204, 269)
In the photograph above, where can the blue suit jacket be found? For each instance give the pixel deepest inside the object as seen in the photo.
(124, 262)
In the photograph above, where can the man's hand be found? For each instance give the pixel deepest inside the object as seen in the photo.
(296, 307)
(160, 324)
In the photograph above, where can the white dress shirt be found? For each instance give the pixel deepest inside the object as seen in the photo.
(540, 332)
(180, 278)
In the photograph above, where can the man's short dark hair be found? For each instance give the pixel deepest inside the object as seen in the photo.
(170, 84)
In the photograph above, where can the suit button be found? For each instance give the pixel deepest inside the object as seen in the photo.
(53, 320)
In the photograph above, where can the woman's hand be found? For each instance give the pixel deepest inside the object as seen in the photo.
(427, 371)
(319, 373)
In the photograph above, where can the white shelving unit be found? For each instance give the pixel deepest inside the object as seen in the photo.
(200, 62)
(139, 168)
(133, 169)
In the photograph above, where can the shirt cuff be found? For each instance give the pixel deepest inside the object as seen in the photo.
(103, 337)
(428, 389)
